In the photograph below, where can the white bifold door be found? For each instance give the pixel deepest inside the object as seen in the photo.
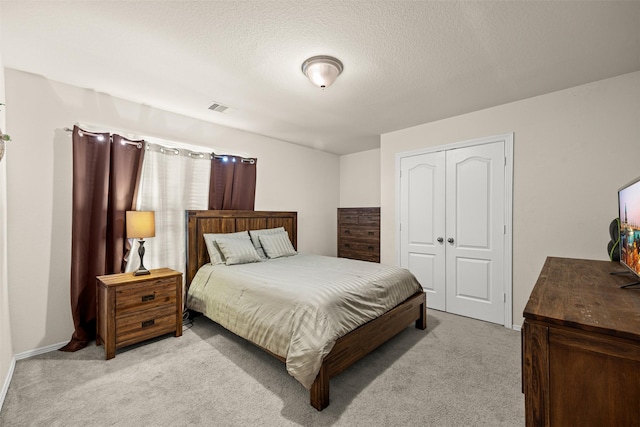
(452, 228)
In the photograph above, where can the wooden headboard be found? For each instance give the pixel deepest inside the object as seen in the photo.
(201, 222)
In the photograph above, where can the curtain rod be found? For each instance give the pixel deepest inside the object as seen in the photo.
(138, 144)
(224, 158)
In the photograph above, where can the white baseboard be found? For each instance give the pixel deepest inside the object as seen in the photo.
(20, 356)
(41, 350)
(7, 381)
(517, 328)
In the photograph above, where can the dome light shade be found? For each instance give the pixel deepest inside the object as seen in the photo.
(322, 70)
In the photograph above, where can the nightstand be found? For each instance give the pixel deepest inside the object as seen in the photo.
(135, 308)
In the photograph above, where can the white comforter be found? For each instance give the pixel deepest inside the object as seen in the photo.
(297, 307)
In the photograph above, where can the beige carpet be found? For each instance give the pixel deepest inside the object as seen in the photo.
(459, 372)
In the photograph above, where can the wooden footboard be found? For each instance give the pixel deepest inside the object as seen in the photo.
(362, 341)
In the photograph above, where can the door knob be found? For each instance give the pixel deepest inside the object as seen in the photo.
(450, 240)
(440, 239)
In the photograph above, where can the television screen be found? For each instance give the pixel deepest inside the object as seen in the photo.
(629, 205)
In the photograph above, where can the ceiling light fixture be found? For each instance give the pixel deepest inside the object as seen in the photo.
(322, 70)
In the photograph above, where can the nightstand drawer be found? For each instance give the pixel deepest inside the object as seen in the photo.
(143, 325)
(142, 296)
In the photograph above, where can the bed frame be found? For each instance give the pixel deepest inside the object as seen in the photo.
(348, 349)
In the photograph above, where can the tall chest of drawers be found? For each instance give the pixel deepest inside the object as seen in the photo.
(359, 233)
(131, 309)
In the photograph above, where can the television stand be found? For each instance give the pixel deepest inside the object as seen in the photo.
(581, 347)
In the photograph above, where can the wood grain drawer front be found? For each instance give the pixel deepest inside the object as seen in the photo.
(360, 217)
(362, 256)
(146, 295)
(359, 233)
(605, 372)
(370, 219)
(346, 217)
(359, 246)
(146, 324)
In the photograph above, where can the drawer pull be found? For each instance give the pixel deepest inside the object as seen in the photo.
(148, 323)
(150, 297)
(370, 248)
(346, 245)
(371, 233)
(347, 231)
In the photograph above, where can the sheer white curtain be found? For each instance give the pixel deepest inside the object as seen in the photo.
(173, 180)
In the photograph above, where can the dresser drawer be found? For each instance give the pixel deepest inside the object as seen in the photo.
(372, 219)
(360, 233)
(359, 246)
(146, 324)
(347, 217)
(142, 296)
(360, 255)
(360, 217)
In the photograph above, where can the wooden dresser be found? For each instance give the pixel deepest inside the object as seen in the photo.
(359, 233)
(581, 346)
(135, 308)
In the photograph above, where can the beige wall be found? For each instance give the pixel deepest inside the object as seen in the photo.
(573, 149)
(290, 177)
(360, 179)
(6, 348)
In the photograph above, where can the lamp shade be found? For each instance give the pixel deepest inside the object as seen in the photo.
(322, 70)
(141, 224)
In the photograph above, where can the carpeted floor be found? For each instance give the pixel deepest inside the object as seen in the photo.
(459, 372)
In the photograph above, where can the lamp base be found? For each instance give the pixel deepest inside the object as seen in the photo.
(141, 272)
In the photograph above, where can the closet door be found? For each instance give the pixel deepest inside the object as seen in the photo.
(422, 223)
(452, 228)
(475, 231)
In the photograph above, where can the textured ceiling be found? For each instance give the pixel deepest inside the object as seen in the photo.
(406, 62)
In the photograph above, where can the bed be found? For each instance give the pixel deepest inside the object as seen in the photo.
(345, 349)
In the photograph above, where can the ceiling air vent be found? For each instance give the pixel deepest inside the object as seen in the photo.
(216, 106)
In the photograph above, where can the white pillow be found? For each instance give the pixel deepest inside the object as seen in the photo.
(277, 245)
(237, 251)
(215, 256)
(255, 238)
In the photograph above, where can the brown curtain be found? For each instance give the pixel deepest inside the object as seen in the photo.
(105, 181)
(233, 183)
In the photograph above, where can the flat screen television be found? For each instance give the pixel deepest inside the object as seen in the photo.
(629, 211)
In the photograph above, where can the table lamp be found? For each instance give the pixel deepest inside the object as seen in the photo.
(141, 224)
